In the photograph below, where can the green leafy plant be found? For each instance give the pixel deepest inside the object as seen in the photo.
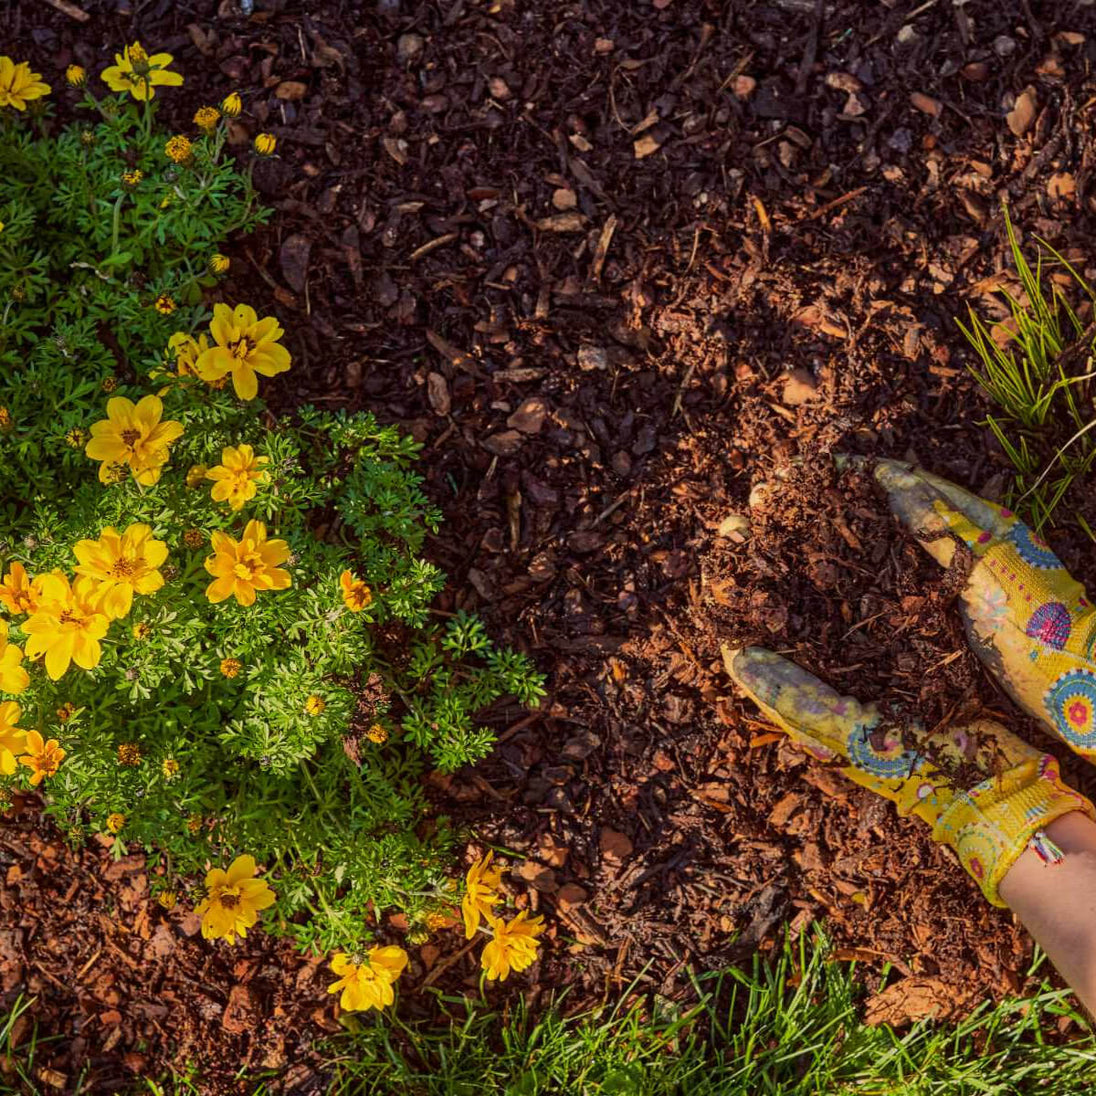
(1037, 369)
(217, 636)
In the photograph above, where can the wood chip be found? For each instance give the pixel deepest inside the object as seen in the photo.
(1022, 114)
(646, 145)
(911, 999)
(926, 104)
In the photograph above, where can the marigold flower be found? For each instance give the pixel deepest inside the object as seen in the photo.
(195, 475)
(245, 345)
(115, 821)
(481, 893)
(134, 71)
(165, 304)
(129, 754)
(206, 118)
(141, 631)
(512, 947)
(66, 711)
(13, 738)
(242, 567)
(6, 421)
(19, 593)
(233, 901)
(178, 149)
(194, 538)
(132, 179)
(265, 144)
(168, 899)
(367, 983)
(109, 384)
(218, 264)
(356, 594)
(186, 350)
(232, 104)
(67, 625)
(13, 677)
(134, 435)
(42, 758)
(123, 564)
(169, 767)
(18, 85)
(231, 667)
(236, 478)
(315, 705)
(76, 438)
(76, 76)
(377, 734)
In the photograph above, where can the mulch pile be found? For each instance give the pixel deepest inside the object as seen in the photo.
(615, 265)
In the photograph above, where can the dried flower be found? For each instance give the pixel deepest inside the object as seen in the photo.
(206, 119)
(66, 712)
(129, 755)
(6, 421)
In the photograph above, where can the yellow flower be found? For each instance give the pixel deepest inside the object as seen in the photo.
(265, 144)
(133, 435)
(245, 345)
(141, 631)
(132, 179)
(218, 264)
(315, 705)
(481, 893)
(129, 755)
(76, 76)
(67, 625)
(76, 438)
(134, 71)
(356, 595)
(367, 984)
(42, 758)
(178, 149)
(233, 901)
(19, 593)
(513, 947)
(18, 85)
(195, 474)
(232, 105)
(242, 567)
(123, 565)
(231, 667)
(165, 304)
(170, 769)
(207, 118)
(109, 384)
(13, 678)
(115, 821)
(377, 734)
(13, 739)
(7, 423)
(236, 478)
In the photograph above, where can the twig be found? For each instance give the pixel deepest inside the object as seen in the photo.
(71, 10)
(810, 51)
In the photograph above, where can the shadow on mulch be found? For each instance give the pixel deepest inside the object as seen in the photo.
(613, 265)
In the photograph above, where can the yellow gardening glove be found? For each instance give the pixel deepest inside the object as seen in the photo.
(989, 825)
(1026, 618)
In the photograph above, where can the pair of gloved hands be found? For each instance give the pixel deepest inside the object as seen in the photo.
(1033, 627)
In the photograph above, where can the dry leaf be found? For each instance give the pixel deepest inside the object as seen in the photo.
(1022, 114)
(1062, 186)
(912, 999)
(291, 90)
(926, 104)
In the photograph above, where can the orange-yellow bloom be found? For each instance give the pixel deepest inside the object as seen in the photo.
(356, 595)
(67, 625)
(133, 435)
(244, 346)
(12, 737)
(122, 565)
(13, 677)
(115, 821)
(134, 71)
(481, 893)
(42, 758)
(367, 984)
(186, 350)
(241, 567)
(233, 901)
(18, 85)
(19, 593)
(236, 478)
(512, 947)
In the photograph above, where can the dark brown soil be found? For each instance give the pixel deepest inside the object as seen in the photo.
(578, 251)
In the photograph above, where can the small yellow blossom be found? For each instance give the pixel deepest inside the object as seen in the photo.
(109, 384)
(236, 478)
(178, 149)
(18, 85)
(231, 105)
(170, 769)
(481, 893)
(377, 734)
(168, 899)
(13, 739)
(66, 712)
(129, 755)
(42, 758)
(315, 705)
(141, 631)
(242, 567)
(165, 304)
(76, 76)
(115, 821)
(265, 144)
(218, 264)
(367, 982)
(123, 565)
(67, 625)
(13, 677)
(206, 118)
(139, 74)
(195, 475)
(233, 900)
(76, 438)
(134, 435)
(132, 179)
(356, 594)
(243, 346)
(19, 593)
(231, 667)
(513, 945)
(7, 423)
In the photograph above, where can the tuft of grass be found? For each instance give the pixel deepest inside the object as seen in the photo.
(1040, 380)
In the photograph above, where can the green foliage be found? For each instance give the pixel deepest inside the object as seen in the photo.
(337, 818)
(1038, 372)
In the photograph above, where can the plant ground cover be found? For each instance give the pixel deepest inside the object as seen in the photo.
(597, 388)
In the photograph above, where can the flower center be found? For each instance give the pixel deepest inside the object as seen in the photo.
(130, 436)
(123, 568)
(242, 347)
(230, 899)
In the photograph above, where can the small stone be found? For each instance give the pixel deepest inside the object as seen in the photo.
(564, 199)
(743, 86)
(408, 47)
(907, 35)
(799, 388)
(505, 444)
(499, 88)
(593, 357)
(1004, 46)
